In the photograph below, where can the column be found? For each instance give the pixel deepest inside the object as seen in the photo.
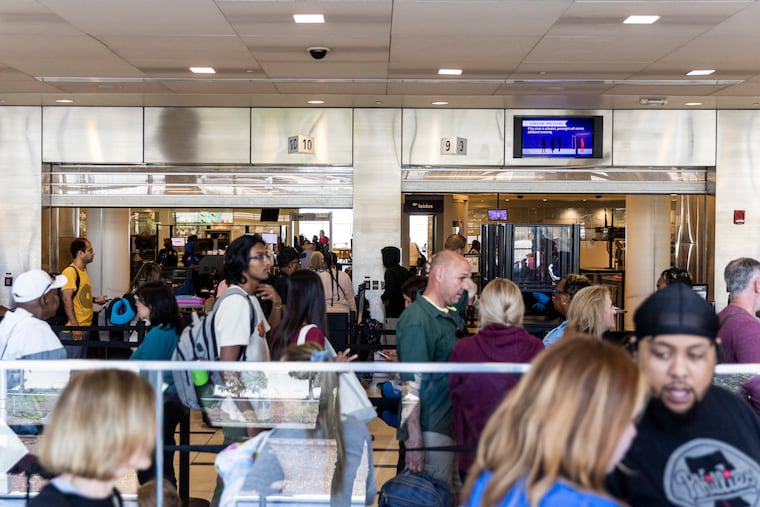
(377, 195)
(108, 231)
(647, 226)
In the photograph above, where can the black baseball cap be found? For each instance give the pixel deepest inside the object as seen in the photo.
(676, 309)
(288, 254)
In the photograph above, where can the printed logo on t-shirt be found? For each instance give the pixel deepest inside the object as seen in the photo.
(707, 472)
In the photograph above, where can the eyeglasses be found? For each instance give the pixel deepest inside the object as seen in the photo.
(90, 250)
(259, 257)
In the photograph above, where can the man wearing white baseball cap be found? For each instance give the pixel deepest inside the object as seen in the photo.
(24, 334)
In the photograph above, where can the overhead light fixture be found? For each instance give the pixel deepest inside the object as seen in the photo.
(700, 72)
(64, 101)
(640, 20)
(653, 101)
(450, 72)
(308, 18)
(693, 104)
(440, 103)
(202, 70)
(316, 102)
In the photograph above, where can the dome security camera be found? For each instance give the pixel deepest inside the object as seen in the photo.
(519, 196)
(318, 52)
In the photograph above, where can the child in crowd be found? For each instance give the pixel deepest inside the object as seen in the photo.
(146, 495)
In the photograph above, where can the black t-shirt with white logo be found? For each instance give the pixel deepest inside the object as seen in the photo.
(709, 456)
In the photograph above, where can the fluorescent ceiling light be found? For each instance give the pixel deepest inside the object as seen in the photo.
(700, 72)
(450, 72)
(308, 18)
(693, 104)
(640, 20)
(64, 101)
(440, 103)
(316, 102)
(202, 70)
(653, 101)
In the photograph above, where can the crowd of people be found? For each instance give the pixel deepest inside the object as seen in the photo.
(589, 424)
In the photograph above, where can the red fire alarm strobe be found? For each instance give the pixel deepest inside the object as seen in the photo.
(739, 216)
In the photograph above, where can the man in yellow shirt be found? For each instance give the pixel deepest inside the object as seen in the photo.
(77, 294)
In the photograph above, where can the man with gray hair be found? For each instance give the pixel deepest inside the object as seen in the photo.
(739, 329)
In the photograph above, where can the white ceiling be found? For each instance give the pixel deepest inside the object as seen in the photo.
(384, 53)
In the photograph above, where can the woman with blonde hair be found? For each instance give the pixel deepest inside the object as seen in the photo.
(591, 311)
(566, 424)
(501, 338)
(317, 262)
(102, 426)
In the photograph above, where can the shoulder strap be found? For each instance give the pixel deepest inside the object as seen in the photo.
(728, 316)
(76, 273)
(303, 332)
(235, 289)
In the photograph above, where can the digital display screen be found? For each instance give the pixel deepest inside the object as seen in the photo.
(178, 241)
(497, 215)
(558, 137)
(700, 289)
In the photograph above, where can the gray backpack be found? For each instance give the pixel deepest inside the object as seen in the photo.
(198, 343)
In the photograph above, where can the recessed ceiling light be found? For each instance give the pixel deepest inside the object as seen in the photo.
(450, 72)
(693, 104)
(316, 102)
(544, 200)
(64, 101)
(640, 20)
(308, 18)
(700, 72)
(440, 103)
(202, 70)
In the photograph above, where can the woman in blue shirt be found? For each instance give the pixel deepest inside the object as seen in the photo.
(555, 436)
(156, 303)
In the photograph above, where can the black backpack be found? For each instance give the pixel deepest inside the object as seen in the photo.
(410, 489)
(60, 318)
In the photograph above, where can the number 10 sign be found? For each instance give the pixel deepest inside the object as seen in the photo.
(300, 144)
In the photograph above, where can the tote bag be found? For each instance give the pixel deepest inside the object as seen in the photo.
(353, 398)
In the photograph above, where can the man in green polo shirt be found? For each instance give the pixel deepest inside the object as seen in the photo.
(427, 332)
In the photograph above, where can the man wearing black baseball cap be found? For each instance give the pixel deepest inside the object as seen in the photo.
(289, 261)
(697, 444)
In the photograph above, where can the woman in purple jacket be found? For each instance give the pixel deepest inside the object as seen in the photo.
(501, 338)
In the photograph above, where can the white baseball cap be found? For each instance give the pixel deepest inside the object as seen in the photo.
(34, 284)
